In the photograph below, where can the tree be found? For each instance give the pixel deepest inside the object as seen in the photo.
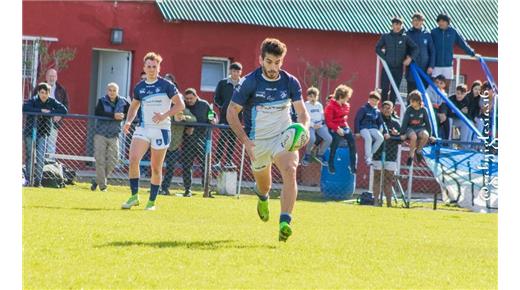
(57, 59)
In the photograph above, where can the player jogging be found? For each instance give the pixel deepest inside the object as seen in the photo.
(155, 96)
(265, 96)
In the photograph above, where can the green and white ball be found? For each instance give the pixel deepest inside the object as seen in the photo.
(295, 137)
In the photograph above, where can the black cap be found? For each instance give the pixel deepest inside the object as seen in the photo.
(397, 19)
(443, 16)
(236, 66)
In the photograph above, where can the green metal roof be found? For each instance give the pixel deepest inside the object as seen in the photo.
(477, 20)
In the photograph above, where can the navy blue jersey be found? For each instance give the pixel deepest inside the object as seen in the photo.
(154, 98)
(267, 104)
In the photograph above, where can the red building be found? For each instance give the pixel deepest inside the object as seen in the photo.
(197, 41)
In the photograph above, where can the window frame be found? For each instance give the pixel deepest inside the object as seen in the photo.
(223, 60)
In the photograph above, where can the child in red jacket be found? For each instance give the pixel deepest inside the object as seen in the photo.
(336, 116)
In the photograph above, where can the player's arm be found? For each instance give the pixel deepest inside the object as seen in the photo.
(233, 111)
(178, 106)
(301, 112)
(132, 111)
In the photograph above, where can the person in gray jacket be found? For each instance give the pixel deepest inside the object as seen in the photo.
(397, 49)
(106, 139)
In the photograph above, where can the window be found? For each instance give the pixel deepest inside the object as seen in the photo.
(214, 69)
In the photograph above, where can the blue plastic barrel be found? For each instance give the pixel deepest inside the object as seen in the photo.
(341, 185)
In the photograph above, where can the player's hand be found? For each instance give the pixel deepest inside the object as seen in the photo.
(159, 117)
(250, 146)
(46, 111)
(387, 136)
(340, 132)
(429, 70)
(56, 118)
(119, 116)
(126, 128)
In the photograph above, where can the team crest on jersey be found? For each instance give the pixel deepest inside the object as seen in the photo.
(142, 91)
(260, 95)
(283, 94)
(157, 90)
(159, 142)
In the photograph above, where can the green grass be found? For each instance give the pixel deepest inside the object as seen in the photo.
(75, 238)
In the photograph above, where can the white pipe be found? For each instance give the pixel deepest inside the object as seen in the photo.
(241, 171)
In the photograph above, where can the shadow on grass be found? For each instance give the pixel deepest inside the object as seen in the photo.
(73, 208)
(196, 245)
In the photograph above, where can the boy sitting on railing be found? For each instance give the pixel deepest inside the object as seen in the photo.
(416, 127)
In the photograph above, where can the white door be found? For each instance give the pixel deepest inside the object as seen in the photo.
(114, 66)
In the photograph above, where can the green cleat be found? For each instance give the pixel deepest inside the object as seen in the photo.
(150, 205)
(285, 232)
(262, 208)
(132, 201)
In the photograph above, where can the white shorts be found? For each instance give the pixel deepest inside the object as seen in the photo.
(389, 165)
(265, 150)
(446, 71)
(158, 138)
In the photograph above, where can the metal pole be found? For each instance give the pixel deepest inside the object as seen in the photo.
(241, 171)
(377, 73)
(410, 179)
(457, 74)
(33, 150)
(207, 163)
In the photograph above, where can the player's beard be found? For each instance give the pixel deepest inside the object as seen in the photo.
(272, 74)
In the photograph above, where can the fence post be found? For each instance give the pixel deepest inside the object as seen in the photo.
(33, 150)
(207, 162)
(241, 171)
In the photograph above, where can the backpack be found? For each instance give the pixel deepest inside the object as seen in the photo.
(53, 175)
(365, 198)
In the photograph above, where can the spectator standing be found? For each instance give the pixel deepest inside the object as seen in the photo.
(193, 146)
(58, 93)
(426, 57)
(369, 125)
(318, 127)
(106, 138)
(390, 146)
(444, 38)
(440, 108)
(40, 103)
(223, 93)
(336, 117)
(172, 155)
(463, 104)
(474, 100)
(416, 127)
(397, 49)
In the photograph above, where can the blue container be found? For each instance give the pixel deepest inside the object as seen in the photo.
(341, 185)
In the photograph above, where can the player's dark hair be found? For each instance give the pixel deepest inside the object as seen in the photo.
(190, 91)
(441, 78)
(273, 46)
(43, 86)
(342, 91)
(476, 83)
(415, 96)
(313, 91)
(462, 88)
(443, 16)
(153, 56)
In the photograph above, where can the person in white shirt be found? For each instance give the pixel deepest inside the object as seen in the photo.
(318, 127)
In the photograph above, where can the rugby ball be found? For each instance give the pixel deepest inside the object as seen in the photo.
(295, 137)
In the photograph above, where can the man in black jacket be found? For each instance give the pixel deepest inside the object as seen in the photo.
(58, 93)
(37, 129)
(390, 147)
(225, 88)
(397, 49)
(194, 140)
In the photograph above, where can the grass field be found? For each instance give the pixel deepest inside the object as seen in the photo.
(75, 238)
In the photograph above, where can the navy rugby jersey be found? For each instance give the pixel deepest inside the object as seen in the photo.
(154, 98)
(267, 104)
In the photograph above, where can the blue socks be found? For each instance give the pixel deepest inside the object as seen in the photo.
(261, 197)
(154, 190)
(134, 185)
(285, 217)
